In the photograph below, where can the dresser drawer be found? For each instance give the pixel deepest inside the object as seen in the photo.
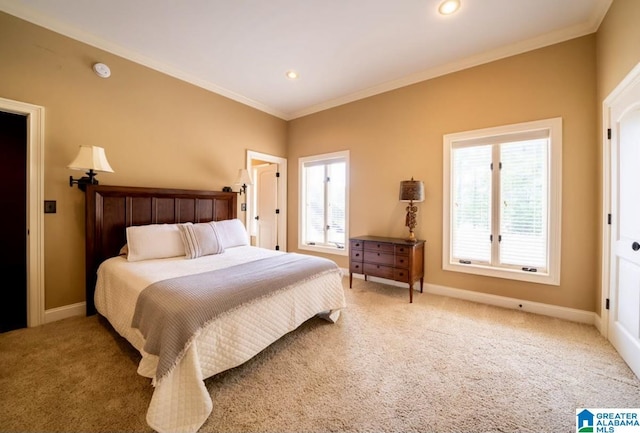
(381, 247)
(356, 245)
(378, 270)
(378, 257)
(356, 267)
(402, 250)
(357, 255)
(401, 275)
(402, 262)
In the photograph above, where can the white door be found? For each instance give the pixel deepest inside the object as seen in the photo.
(624, 315)
(266, 206)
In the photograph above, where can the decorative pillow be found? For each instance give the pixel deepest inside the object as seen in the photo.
(200, 239)
(232, 233)
(154, 241)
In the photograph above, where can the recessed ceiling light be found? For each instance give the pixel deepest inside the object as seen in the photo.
(292, 75)
(448, 7)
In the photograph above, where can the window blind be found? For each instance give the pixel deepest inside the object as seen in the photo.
(314, 204)
(520, 187)
(523, 217)
(471, 204)
(325, 202)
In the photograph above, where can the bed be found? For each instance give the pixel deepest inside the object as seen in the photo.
(174, 274)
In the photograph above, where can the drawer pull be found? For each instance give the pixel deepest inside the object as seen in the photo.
(378, 254)
(357, 254)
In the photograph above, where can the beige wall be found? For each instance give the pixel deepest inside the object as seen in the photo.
(617, 53)
(618, 45)
(157, 131)
(396, 135)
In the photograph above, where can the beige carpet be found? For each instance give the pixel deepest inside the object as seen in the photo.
(437, 365)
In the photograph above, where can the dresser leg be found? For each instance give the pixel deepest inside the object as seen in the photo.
(350, 279)
(421, 283)
(411, 293)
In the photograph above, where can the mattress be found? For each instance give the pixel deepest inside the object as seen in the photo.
(180, 401)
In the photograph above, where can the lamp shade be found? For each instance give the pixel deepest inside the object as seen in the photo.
(243, 177)
(91, 158)
(411, 190)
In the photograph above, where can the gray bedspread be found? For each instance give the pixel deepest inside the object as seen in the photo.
(169, 313)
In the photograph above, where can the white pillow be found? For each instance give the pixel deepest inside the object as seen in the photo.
(200, 239)
(232, 233)
(154, 241)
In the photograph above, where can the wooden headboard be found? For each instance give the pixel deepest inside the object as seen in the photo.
(111, 209)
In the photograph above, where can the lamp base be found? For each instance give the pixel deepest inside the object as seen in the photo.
(410, 221)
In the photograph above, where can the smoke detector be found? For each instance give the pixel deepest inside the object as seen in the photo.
(101, 70)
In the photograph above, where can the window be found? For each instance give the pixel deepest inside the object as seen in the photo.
(323, 203)
(502, 201)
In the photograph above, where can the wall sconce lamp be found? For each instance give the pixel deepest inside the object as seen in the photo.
(244, 179)
(411, 191)
(93, 159)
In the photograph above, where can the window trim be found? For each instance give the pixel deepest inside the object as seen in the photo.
(326, 249)
(479, 136)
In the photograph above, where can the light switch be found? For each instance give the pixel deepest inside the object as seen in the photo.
(49, 206)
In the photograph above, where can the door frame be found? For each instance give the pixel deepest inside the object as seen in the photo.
(281, 193)
(632, 78)
(35, 206)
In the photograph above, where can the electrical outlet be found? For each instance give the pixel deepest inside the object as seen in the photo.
(49, 206)
(243, 207)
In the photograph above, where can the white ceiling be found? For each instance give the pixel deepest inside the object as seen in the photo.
(344, 50)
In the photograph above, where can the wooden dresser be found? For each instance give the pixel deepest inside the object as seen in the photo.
(391, 258)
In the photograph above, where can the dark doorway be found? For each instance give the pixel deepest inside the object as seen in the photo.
(13, 216)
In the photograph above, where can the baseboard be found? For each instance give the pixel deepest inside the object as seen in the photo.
(556, 311)
(597, 322)
(65, 312)
(565, 313)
